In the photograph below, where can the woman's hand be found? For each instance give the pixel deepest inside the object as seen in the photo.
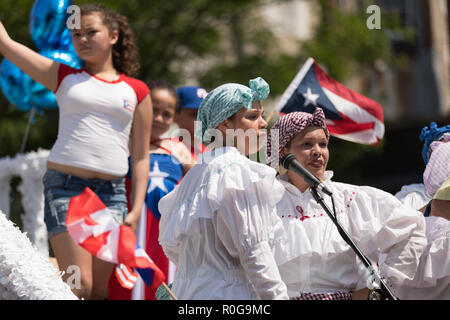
(132, 220)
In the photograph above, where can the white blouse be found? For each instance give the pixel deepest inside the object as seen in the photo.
(432, 279)
(413, 195)
(219, 226)
(317, 260)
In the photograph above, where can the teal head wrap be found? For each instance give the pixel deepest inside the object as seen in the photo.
(227, 99)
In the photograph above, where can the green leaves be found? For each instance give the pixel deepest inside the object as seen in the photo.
(212, 41)
(343, 42)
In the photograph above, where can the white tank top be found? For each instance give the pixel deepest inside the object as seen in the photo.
(95, 118)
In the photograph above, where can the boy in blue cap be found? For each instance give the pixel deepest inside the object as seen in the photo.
(186, 115)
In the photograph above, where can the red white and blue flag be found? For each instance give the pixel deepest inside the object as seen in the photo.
(92, 226)
(350, 115)
(164, 175)
(125, 276)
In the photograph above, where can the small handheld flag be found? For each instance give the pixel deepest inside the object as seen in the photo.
(350, 115)
(126, 276)
(92, 226)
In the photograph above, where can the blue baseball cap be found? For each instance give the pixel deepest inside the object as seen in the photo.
(191, 97)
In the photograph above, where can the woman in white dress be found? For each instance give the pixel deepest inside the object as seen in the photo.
(432, 279)
(219, 225)
(318, 263)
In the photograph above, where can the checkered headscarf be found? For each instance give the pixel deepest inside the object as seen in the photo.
(289, 125)
(438, 168)
(225, 100)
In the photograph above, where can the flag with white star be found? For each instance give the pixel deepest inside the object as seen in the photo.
(165, 173)
(350, 115)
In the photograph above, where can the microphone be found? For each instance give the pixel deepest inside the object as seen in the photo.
(291, 163)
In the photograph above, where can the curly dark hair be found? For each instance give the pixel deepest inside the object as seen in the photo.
(125, 53)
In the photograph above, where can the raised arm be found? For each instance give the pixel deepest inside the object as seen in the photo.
(38, 67)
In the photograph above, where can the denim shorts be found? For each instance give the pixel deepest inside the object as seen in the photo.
(60, 187)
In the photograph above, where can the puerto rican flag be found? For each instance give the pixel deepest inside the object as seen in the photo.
(160, 183)
(147, 236)
(350, 115)
(92, 226)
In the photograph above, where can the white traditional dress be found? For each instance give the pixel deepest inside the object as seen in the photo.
(318, 263)
(413, 195)
(219, 226)
(432, 279)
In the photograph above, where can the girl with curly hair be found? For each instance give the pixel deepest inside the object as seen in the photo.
(105, 116)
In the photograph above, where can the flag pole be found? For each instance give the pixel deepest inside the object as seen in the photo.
(169, 291)
(27, 130)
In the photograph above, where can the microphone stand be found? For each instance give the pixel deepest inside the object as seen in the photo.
(381, 293)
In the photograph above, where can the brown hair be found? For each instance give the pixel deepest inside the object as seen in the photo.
(125, 52)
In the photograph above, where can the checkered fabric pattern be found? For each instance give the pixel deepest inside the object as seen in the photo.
(227, 99)
(289, 125)
(340, 295)
(438, 168)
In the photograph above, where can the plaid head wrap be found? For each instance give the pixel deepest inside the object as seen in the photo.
(437, 172)
(225, 100)
(289, 125)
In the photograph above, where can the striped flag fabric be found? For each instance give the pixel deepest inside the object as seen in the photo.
(92, 226)
(125, 276)
(164, 180)
(350, 115)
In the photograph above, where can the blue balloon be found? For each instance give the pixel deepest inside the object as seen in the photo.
(16, 85)
(66, 57)
(48, 21)
(41, 97)
(49, 32)
(65, 42)
(24, 92)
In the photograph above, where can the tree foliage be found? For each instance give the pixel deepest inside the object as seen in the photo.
(169, 34)
(222, 41)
